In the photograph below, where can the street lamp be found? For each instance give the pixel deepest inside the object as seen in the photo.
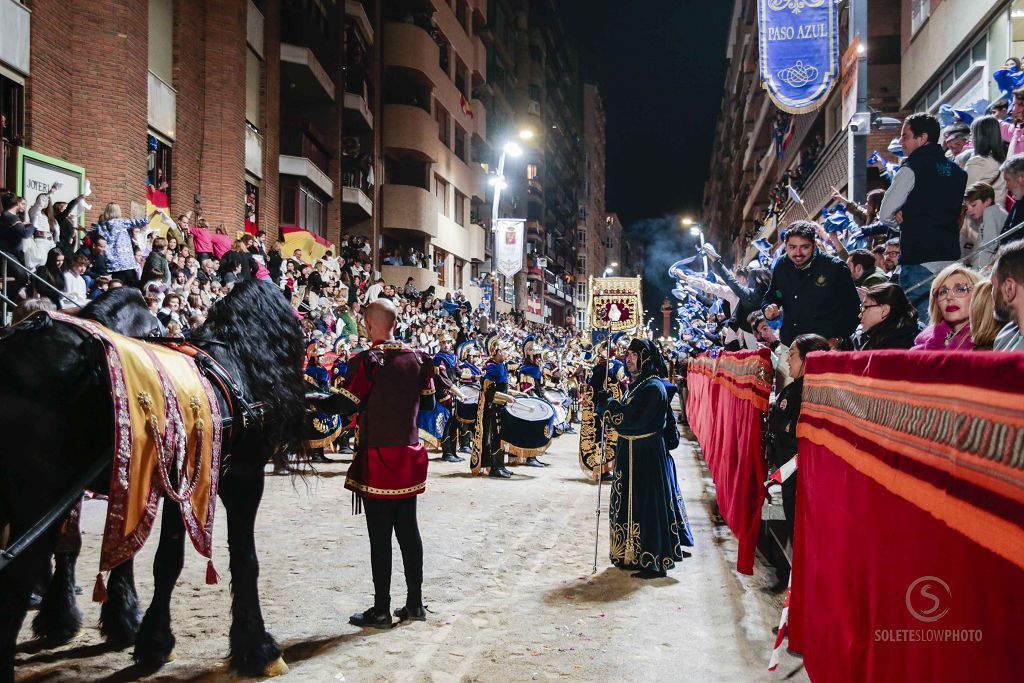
(499, 183)
(697, 231)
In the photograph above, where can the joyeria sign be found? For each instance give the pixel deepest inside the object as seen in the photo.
(799, 60)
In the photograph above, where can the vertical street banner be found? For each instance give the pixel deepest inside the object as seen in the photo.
(799, 51)
(615, 303)
(509, 259)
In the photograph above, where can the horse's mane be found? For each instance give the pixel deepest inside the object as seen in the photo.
(123, 310)
(263, 337)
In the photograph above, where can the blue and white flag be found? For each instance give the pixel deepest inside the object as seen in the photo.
(794, 196)
(799, 57)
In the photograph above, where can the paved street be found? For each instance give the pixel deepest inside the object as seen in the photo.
(507, 579)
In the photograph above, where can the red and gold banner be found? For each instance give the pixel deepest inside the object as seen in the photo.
(615, 303)
(727, 396)
(909, 544)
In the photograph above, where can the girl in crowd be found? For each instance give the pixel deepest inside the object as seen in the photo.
(949, 310)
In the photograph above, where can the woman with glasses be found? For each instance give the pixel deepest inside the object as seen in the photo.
(949, 308)
(887, 321)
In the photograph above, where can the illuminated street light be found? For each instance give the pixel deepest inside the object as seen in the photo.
(687, 221)
(513, 149)
(526, 134)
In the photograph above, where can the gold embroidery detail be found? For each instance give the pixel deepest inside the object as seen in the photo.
(384, 492)
(349, 395)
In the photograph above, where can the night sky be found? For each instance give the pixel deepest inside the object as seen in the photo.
(660, 66)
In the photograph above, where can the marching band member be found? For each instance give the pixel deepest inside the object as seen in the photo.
(487, 451)
(447, 373)
(469, 376)
(530, 382)
(390, 467)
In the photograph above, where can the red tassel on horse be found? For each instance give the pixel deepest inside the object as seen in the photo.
(99, 591)
(212, 576)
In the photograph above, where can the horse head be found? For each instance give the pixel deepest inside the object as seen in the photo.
(254, 333)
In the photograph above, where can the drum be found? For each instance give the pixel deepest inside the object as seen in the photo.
(561, 418)
(556, 397)
(466, 410)
(527, 423)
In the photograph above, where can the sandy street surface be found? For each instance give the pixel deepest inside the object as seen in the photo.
(507, 580)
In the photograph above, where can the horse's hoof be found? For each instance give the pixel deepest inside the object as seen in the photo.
(171, 656)
(276, 668)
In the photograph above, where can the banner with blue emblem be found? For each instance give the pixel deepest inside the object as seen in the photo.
(799, 42)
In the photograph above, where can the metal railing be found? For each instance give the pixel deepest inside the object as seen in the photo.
(6, 260)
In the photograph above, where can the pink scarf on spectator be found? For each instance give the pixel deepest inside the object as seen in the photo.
(941, 338)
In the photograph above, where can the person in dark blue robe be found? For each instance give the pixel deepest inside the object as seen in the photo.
(447, 375)
(648, 524)
(324, 428)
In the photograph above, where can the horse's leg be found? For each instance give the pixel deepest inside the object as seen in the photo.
(59, 619)
(154, 643)
(16, 582)
(119, 615)
(253, 651)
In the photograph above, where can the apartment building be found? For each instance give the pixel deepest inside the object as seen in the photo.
(594, 254)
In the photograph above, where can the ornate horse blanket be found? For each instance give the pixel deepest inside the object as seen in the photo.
(167, 427)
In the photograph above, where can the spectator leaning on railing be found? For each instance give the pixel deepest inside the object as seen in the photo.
(928, 188)
(812, 290)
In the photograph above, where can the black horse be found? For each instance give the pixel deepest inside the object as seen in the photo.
(56, 419)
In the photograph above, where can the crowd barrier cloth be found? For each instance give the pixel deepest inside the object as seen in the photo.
(909, 546)
(726, 398)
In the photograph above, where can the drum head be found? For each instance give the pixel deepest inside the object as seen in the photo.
(561, 415)
(556, 396)
(472, 394)
(530, 409)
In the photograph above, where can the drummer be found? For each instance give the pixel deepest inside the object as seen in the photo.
(469, 376)
(487, 451)
(530, 381)
(446, 367)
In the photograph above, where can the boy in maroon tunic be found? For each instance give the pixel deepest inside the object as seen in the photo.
(388, 384)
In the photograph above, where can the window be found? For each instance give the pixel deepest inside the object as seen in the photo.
(919, 11)
(441, 194)
(581, 291)
(159, 174)
(581, 263)
(302, 206)
(460, 143)
(440, 260)
(531, 171)
(460, 208)
(443, 124)
(253, 81)
(581, 238)
(960, 85)
(460, 267)
(462, 14)
(252, 203)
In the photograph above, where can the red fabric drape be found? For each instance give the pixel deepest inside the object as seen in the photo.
(909, 546)
(727, 396)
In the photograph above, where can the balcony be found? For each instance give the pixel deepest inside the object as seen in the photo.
(355, 10)
(410, 208)
(303, 78)
(14, 48)
(407, 46)
(355, 104)
(411, 130)
(355, 203)
(304, 168)
(421, 277)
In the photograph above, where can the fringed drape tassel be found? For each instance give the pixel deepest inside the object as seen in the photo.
(99, 591)
(212, 577)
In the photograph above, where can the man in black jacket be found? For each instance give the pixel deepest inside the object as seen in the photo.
(815, 291)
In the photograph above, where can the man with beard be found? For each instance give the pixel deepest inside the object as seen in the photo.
(1008, 295)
